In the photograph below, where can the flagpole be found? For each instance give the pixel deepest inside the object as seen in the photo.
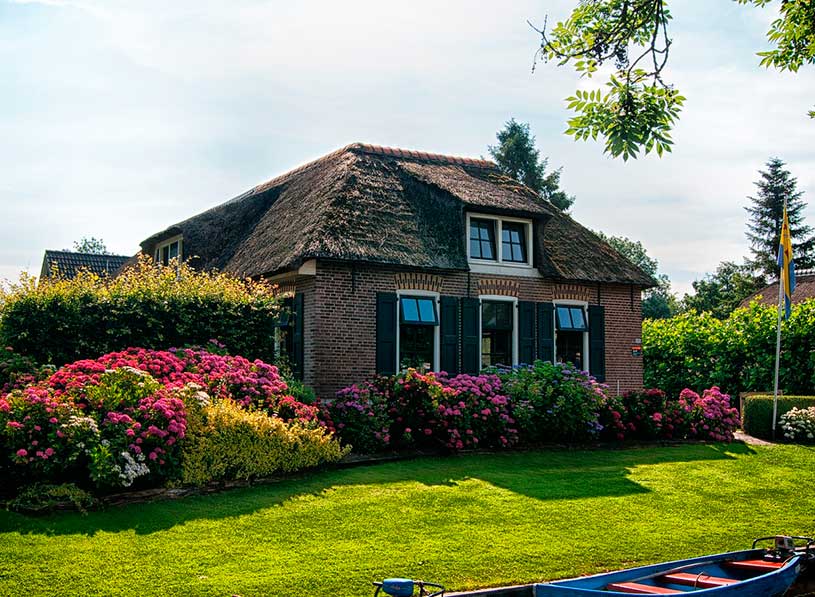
(781, 276)
(777, 348)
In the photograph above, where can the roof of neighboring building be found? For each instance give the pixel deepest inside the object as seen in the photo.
(804, 289)
(388, 206)
(69, 263)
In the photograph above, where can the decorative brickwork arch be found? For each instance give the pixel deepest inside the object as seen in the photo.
(418, 281)
(498, 286)
(573, 292)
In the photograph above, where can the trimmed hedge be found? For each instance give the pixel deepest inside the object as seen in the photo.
(151, 306)
(736, 354)
(758, 413)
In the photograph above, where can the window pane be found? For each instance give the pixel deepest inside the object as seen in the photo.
(564, 319)
(416, 346)
(482, 235)
(569, 348)
(496, 315)
(578, 320)
(410, 310)
(165, 255)
(427, 310)
(496, 348)
(174, 250)
(514, 242)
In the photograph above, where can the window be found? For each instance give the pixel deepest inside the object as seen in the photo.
(571, 318)
(571, 335)
(418, 332)
(514, 235)
(497, 326)
(513, 242)
(168, 251)
(482, 239)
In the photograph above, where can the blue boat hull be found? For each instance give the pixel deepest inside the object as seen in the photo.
(768, 584)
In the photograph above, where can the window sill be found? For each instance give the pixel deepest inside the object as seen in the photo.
(505, 269)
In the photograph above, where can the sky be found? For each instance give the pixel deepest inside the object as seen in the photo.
(120, 118)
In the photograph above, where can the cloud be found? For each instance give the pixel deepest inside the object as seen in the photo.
(127, 117)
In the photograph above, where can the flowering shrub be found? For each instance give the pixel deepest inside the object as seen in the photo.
(18, 371)
(710, 415)
(798, 424)
(359, 417)
(120, 420)
(477, 414)
(555, 402)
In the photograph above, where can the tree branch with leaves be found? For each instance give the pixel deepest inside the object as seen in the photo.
(638, 108)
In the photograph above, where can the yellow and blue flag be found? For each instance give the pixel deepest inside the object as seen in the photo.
(786, 263)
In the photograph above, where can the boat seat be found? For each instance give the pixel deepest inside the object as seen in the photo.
(640, 589)
(703, 581)
(755, 565)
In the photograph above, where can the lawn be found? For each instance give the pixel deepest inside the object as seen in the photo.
(468, 521)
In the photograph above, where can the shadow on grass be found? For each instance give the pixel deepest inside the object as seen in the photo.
(539, 474)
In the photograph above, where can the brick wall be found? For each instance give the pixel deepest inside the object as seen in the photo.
(340, 305)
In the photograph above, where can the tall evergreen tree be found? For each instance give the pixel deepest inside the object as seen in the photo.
(517, 156)
(766, 213)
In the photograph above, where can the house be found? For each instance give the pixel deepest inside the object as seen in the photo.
(68, 263)
(804, 289)
(394, 258)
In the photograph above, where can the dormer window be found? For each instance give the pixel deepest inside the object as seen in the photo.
(168, 251)
(514, 234)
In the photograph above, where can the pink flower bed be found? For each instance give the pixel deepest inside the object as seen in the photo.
(122, 416)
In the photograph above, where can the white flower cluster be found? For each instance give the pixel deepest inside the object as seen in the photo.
(132, 469)
(799, 423)
(197, 393)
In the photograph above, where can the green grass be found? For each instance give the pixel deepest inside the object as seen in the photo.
(470, 521)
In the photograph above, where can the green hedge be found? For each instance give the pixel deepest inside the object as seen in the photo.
(149, 306)
(758, 413)
(736, 354)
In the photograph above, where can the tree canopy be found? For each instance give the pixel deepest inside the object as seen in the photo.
(639, 107)
(720, 293)
(517, 156)
(658, 302)
(90, 244)
(765, 215)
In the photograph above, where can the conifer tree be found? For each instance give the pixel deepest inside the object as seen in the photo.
(517, 156)
(766, 213)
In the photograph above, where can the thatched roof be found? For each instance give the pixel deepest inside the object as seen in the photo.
(68, 263)
(389, 206)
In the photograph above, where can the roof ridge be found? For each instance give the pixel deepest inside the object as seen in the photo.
(379, 150)
(423, 156)
(65, 252)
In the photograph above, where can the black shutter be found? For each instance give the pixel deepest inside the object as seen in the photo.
(526, 332)
(546, 332)
(297, 343)
(448, 320)
(597, 342)
(386, 333)
(470, 342)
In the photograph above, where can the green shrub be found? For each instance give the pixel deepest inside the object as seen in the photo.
(554, 402)
(147, 305)
(226, 442)
(41, 498)
(736, 354)
(758, 413)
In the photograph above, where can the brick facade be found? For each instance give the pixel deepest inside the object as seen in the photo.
(340, 325)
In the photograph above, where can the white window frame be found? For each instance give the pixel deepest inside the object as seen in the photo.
(436, 332)
(573, 303)
(506, 299)
(159, 248)
(498, 261)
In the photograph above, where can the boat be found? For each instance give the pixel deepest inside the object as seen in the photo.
(755, 572)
